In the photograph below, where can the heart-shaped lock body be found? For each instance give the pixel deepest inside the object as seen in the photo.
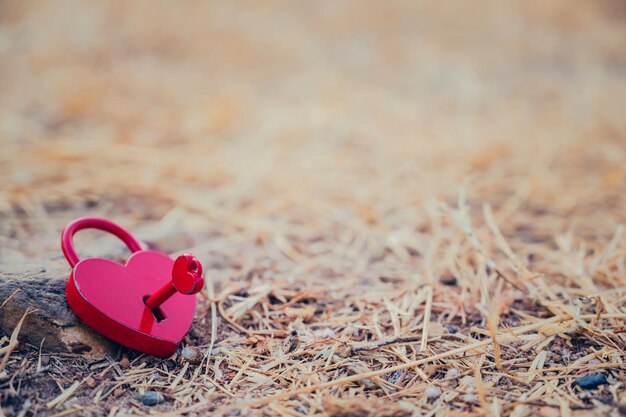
(111, 297)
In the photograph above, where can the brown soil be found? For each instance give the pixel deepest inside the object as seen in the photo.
(402, 207)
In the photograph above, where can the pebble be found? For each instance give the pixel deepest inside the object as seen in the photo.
(151, 398)
(192, 354)
(90, 382)
(448, 279)
(468, 381)
(469, 398)
(430, 369)
(432, 392)
(452, 373)
(395, 376)
(591, 381)
(124, 362)
(452, 328)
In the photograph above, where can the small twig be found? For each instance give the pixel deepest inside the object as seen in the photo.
(384, 343)
(427, 312)
(237, 326)
(211, 290)
(291, 302)
(61, 398)
(9, 297)
(13, 342)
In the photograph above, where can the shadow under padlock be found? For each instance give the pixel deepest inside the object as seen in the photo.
(143, 304)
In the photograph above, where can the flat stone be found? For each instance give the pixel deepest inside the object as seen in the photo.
(42, 292)
(151, 398)
(591, 381)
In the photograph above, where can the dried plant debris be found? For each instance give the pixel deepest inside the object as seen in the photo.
(403, 209)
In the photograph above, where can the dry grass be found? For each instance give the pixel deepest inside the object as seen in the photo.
(387, 199)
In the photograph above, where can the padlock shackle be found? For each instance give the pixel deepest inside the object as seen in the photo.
(67, 236)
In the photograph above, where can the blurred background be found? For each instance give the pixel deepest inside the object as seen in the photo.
(332, 157)
(226, 126)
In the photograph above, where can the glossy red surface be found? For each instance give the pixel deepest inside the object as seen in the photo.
(186, 279)
(110, 297)
(67, 236)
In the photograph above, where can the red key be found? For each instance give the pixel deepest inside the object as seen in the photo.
(186, 279)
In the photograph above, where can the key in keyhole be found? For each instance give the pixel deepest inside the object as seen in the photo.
(186, 279)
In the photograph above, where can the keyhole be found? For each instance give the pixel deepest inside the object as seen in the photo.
(158, 314)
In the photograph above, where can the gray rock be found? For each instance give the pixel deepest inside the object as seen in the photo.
(151, 398)
(591, 381)
(432, 392)
(192, 354)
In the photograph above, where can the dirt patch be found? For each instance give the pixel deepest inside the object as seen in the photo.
(402, 207)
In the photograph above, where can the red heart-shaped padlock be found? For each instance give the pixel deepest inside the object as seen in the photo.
(135, 304)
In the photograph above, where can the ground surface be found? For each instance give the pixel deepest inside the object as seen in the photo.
(402, 207)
